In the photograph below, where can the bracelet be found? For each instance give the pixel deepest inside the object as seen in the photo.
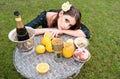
(18, 19)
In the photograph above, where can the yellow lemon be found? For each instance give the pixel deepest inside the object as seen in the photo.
(70, 41)
(48, 34)
(42, 68)
(49, 47)
(45, 40)
(40, 49)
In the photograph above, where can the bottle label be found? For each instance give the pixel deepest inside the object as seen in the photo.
(18, 19)
(22, 35)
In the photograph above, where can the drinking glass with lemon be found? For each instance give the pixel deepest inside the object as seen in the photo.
(57, 44)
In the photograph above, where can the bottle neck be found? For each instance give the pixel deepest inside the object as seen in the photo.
(19, 22)
(18, 19)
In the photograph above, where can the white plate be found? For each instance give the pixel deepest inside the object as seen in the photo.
(81, 42)
(85, 51)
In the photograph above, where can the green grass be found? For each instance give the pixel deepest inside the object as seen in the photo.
(102, 18)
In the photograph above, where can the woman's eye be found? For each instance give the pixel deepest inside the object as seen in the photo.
(67, 20)
(70, 25)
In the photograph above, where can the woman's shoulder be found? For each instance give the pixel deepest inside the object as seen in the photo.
(44, 13)
(52, 10)
(83, 25)
(85, 29)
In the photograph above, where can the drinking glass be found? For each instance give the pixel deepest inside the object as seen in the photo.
(68, 49)
(57, 44)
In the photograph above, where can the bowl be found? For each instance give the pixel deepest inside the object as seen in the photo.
(81, 42)
(81, 55)
(26, 45)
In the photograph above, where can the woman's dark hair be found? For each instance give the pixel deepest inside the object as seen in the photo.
(74, 12)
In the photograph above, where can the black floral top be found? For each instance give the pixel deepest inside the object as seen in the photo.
(41, 20)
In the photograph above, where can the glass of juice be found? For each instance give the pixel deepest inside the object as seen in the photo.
(57, 44)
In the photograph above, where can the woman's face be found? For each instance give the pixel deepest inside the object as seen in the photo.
(65, 21)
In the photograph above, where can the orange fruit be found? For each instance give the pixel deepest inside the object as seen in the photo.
(40, 49)
(42, 68)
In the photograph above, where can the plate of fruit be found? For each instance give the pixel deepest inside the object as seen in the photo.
(81, 42)
(81, 55)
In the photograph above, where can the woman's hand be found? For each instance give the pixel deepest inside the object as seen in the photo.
(37, 31)
(56, 33)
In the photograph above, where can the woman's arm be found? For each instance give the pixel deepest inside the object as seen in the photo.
(84, 32)
(43, 30)
(75, 33)
(55, 32)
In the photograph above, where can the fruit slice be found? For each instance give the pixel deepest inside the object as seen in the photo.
(42, 68)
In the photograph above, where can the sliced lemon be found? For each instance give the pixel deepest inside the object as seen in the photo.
(42, 68)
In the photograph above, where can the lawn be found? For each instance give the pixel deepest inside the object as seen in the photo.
(102, 17)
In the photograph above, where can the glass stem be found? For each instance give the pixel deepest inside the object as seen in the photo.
(58, 55)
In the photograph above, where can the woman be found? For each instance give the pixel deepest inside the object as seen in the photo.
(64, 21)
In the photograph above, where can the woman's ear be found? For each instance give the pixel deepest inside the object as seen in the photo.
(61, 13)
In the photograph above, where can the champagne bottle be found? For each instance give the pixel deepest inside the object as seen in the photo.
(22, 33)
